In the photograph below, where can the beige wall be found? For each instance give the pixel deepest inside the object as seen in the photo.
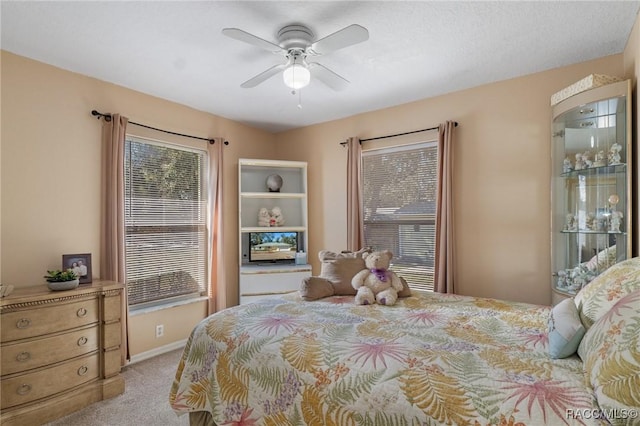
(632, 71)
(50, 170)
(178, 321)
(502, 176)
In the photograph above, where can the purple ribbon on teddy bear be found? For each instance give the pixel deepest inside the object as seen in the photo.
(380, 274)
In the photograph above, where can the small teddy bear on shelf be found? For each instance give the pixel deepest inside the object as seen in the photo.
(277, 219)
(264, 217)
(376, 283)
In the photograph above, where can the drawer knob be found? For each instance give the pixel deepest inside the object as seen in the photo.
(82, 341)
(23, 389)
(83, 370)
(82, 312)
(23, 356)
(23, 323)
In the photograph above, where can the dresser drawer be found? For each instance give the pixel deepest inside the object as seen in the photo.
(38, 321)
(40, 384)
(48, 350)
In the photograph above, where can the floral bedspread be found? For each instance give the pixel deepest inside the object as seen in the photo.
(428, 360)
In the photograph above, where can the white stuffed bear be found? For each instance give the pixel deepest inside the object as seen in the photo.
(276, 217)
(376, 283)
(264, 217)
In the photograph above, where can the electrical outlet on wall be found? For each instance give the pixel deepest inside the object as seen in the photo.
(159, 330)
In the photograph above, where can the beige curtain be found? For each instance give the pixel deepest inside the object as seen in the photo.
(355, 223)
(112, 220)
(444, 265)
(217, 279)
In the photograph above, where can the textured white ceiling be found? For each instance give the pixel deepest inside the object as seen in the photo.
(175, 49)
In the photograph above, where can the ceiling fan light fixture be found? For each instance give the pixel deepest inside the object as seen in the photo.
(296, 76)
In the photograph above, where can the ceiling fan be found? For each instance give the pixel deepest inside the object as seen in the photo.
(295, 43)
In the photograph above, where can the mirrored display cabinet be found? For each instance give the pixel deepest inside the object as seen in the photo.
(590, 186)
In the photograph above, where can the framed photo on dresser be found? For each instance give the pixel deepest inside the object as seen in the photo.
(81, 265)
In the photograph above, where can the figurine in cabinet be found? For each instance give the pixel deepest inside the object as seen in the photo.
(586, 158)
(580, 164)
(600, 159)
(562, 280)
(571, 224)
(615, 221)
(614, 153)
(566, 165)
(590, 222)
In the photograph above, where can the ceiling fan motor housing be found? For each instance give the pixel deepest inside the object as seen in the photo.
(296, 37)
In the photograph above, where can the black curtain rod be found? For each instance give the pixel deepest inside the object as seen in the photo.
(107, 117)
(398, 134)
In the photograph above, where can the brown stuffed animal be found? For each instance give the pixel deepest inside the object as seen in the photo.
(336, 272)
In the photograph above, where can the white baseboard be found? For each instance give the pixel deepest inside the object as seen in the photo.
(157, 351)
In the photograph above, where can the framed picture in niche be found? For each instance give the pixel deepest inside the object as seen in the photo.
(80, 264)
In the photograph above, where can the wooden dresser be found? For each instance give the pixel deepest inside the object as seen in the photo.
(60, 351)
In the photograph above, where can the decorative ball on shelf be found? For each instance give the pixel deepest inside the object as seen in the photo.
(614, 199)
(274, 183)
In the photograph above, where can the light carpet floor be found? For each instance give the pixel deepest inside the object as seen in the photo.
(145, 400)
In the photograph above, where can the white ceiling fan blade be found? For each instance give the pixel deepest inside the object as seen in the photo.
(328, 77)
(265, 75)
(244, 36)
(347, 36)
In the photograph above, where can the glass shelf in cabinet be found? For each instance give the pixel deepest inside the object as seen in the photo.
(272, 194)
(584, 231)
(565, 291)
(604, 170)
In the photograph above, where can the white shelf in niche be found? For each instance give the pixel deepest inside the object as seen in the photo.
(273, 229)
(261, 279)
(272, 195)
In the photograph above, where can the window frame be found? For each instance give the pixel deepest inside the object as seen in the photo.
(418, 219)
(204, 227)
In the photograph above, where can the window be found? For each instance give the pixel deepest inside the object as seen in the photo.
(399, 204)
(165, 222)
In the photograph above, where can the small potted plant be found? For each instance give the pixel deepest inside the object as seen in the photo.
(62, 280)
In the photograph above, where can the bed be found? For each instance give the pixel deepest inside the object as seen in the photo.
(431, 359)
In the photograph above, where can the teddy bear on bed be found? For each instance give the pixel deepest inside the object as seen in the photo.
(377, 283)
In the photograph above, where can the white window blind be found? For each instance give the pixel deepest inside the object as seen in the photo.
(165, 221)
(399, 201)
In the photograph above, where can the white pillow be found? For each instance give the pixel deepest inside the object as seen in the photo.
(565, 329)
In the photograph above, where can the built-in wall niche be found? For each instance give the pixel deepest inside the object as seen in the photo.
(282, 273)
